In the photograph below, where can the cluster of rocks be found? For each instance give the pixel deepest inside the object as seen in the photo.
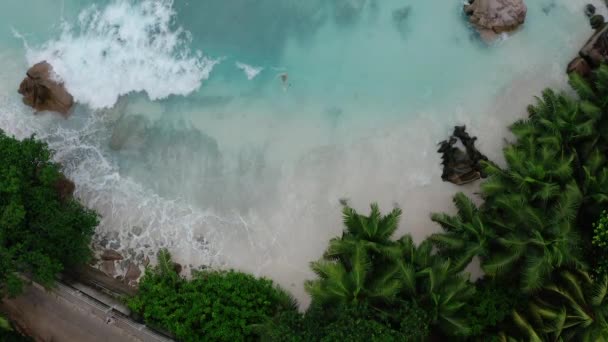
(595, 50)
(109, 260)
(461, 167)
(493, 17)
(42, 90)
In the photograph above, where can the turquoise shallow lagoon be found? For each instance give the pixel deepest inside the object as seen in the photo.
(228, 130)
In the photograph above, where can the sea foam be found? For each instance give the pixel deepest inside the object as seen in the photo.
(124, 47)
(250, 71)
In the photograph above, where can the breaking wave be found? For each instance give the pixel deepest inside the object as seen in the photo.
(125, 47)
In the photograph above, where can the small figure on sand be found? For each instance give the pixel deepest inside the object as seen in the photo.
(285, 80)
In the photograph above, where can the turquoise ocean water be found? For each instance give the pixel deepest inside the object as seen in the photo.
(227, 130)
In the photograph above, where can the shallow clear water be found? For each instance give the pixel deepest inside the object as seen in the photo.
(228, 130)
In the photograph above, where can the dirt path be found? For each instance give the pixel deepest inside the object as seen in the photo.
(66, 315)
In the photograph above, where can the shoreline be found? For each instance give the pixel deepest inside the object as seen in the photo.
(302, 182)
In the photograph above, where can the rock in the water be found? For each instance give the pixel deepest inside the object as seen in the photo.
(133, 273)
(348, 11)
(492, 17)
(401, 14)
(108, 268)
(580, 66)
(42, 91)
(129, 132)
(461, 167)
(400, 18)
(110, 254)
(589, 10)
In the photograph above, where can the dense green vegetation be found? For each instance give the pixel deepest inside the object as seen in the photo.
(212, 306)
(42, 228)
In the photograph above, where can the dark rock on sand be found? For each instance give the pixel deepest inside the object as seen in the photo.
(42, 91)
(580, 66)
(589, 10)
(593, 53)
(595, 50)
(461, 167)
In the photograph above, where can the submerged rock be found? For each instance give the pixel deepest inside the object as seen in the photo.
(42, 91)
(400, 18)
(461, 167)
(348, 11)
(129, 132)
(401, 14)
(492, 17)
(548, 7)
(589, 10)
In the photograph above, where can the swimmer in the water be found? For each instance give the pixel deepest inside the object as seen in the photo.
(285, 79)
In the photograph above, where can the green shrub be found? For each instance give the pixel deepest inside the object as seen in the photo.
(42, 228)
(403, 321)
(492, 304)
(352, 328)
(600, 244)
(287, 326)
(212, 306)
(600, 232)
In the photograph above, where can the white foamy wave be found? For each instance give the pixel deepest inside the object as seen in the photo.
(133, 220)
(250, 71)
(125, 47)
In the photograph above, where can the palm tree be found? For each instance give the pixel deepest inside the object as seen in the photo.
(354, 280)
(356, 266)
(466, 235)
(534, 241)
(532, 205)
(572, 308)
(594, 186)
(563, 120)
(596, 91)
(526, 227)
(366, 265)
(434, 284)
